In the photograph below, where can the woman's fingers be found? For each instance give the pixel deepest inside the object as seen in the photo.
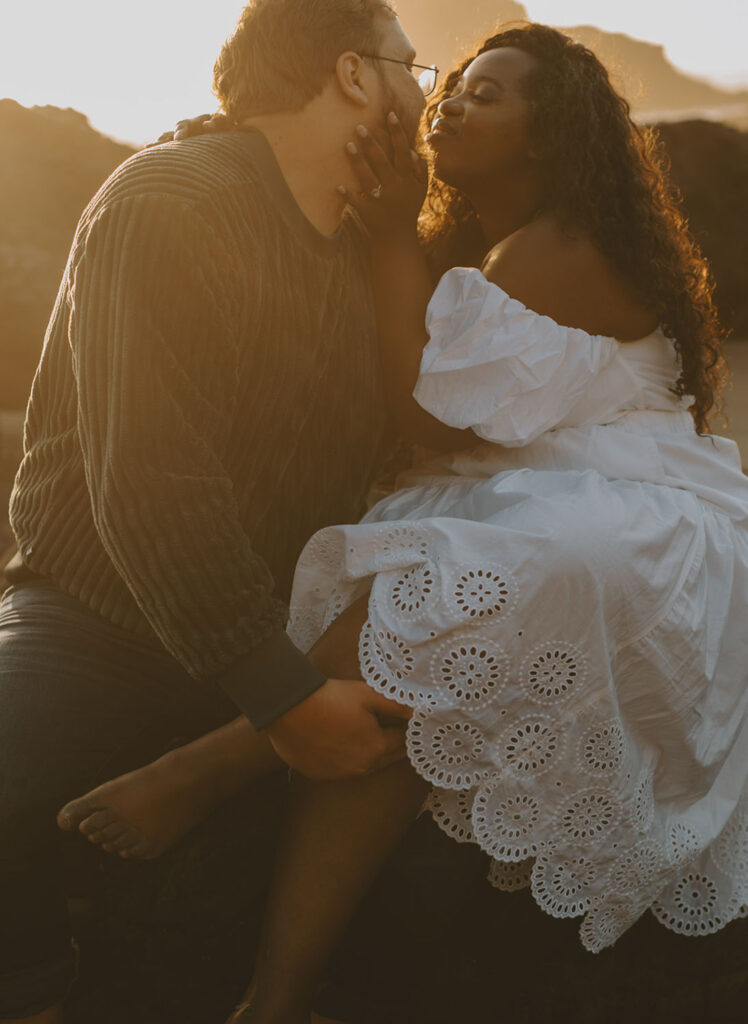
(420, 167)
(381, 705)
(401, 150)
(367, 179)
(379, 162)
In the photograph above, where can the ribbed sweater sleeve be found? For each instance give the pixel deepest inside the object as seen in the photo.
(154, 335)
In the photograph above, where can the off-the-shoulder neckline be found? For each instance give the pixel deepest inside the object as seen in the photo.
(657, 333)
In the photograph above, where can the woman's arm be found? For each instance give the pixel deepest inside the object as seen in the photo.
(400, 276)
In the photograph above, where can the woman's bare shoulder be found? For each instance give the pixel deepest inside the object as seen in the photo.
(563, 275)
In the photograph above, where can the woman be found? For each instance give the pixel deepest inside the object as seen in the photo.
(561, 600)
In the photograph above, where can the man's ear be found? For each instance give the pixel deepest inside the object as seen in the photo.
(351, 76)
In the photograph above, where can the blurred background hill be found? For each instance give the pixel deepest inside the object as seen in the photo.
(445, 30)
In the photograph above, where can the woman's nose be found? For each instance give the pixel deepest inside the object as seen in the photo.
(451, 106)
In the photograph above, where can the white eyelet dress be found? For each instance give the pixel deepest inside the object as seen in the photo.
(565, 606)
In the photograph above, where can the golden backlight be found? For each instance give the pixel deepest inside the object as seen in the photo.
(135, 68)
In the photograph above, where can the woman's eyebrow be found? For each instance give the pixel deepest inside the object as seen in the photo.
(487, 78)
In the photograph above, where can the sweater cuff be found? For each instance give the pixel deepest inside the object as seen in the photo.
(270, 680)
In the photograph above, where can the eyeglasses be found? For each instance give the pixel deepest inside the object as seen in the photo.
(426, 79)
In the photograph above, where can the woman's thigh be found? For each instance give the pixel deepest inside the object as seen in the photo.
(336, 651)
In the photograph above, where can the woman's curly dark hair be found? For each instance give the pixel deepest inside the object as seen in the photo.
(607, 177)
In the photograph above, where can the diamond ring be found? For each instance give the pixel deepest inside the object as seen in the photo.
(376, 193)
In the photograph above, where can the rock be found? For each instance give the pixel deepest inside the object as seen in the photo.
(432, 944)
(445, 32)
(51, 163)
(709, 163)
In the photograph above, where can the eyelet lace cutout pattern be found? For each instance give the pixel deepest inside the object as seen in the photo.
(642, 805)
(600, 750)
(605, 923)
(529, 748)
(730, 852)
(552, 672)
(387, 663)
(483, 592)
(683, 843)
(468, 671)
(326, 549)
(450, 752)
(562, 887)
(521, 736)
(588, 817)
(508, 876)
(696, 905)
(639, 867)
(400, 543)
(304, 628)
(505, 823)
(451, 810)
(407, 593)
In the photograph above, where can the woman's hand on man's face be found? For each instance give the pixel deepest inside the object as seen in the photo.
(389, 191)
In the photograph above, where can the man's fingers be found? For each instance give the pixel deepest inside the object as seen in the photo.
(381, 705)
(217, 123)
(393, 749)
(189, 126)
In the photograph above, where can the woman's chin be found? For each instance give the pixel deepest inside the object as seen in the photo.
(446, 162)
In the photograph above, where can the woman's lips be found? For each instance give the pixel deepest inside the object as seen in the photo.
(441, 129)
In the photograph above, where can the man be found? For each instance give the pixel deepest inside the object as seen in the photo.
(208, 396)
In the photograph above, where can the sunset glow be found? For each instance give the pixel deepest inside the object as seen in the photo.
(134, 70)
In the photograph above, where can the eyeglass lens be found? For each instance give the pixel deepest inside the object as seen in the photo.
(427, 80)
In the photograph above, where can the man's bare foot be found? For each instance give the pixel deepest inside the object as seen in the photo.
(141, 814)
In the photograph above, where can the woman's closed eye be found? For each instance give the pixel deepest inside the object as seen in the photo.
(473, 94)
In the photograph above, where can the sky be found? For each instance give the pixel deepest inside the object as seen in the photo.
(135, 68)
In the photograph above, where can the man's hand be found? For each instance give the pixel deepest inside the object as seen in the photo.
(340, 731)
(203, 124)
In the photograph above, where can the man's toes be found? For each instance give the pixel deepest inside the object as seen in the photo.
(108, 834)
(73, 813)
(142, 850)
(125, 841)
(98, 821)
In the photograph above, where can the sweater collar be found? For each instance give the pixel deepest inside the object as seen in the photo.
(262, 152)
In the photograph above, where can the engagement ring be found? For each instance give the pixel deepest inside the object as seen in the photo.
(376, 193)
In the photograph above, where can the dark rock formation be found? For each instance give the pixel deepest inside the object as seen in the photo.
(709, 164)
(51, 163)
(444, 31)
(172, 941)
(645, 76)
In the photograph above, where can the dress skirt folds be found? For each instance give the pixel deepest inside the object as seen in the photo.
(565, 607)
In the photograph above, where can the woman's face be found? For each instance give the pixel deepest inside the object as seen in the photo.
(481, 131)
